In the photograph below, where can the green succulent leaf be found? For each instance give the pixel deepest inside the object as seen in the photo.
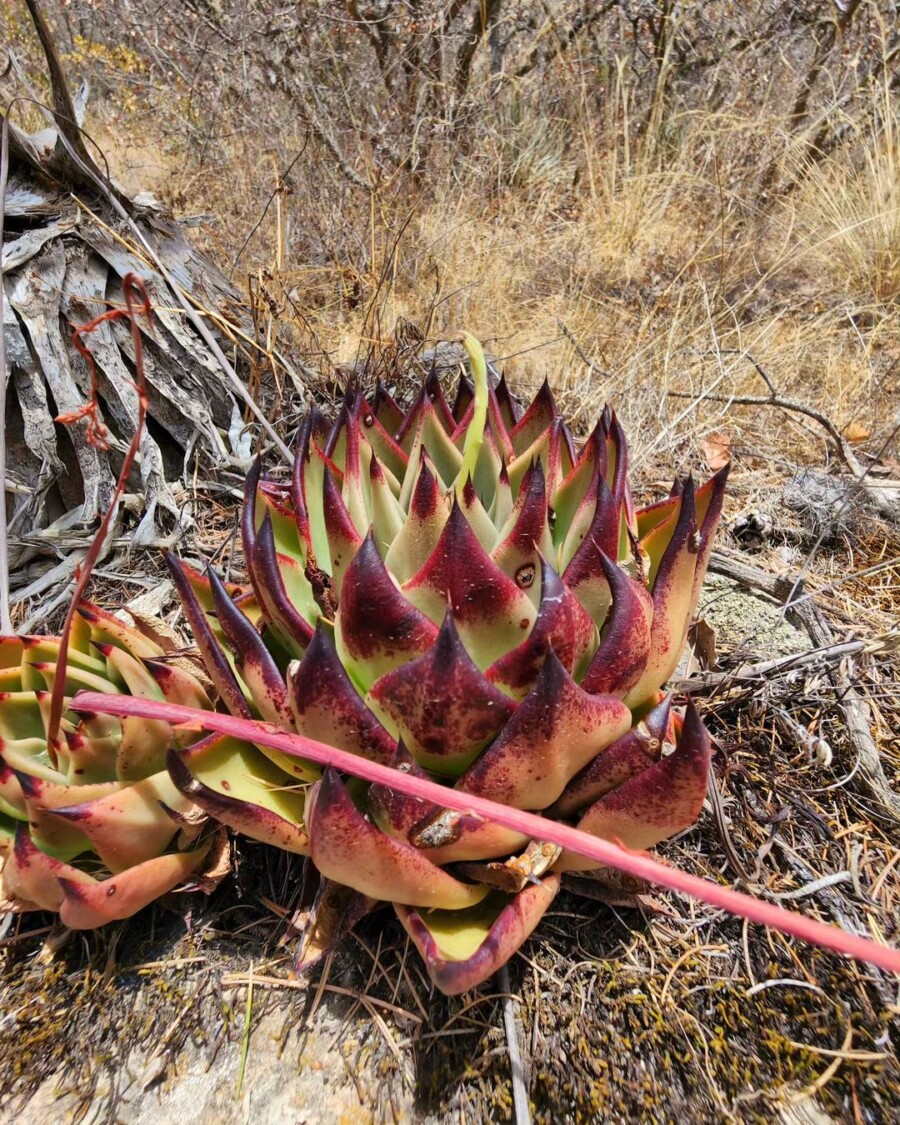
(96, 816)
(457, 597)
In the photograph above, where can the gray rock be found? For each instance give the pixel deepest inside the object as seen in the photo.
(747, 627)
(298, 1079)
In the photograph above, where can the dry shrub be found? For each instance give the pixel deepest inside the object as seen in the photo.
(630, 200)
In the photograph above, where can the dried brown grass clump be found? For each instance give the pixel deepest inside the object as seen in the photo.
(671, 224)
(665, 192)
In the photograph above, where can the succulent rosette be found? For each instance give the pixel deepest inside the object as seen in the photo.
(91, 825)
(465, 593)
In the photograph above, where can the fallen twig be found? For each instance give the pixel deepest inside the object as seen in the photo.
(777, 586)
(521, 1108)
(856, 717)
(886, 504)
(825, 655)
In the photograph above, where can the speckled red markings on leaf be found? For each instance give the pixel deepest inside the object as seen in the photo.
(465, 592)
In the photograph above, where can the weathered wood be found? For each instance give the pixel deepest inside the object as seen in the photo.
(35, 298)
(62, 267)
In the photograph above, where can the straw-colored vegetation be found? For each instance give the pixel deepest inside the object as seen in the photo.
(669, 206)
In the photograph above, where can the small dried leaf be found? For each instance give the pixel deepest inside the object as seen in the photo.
(856, 432)
(702, 639)
(334, 912)
(218, 863)
(716, 449)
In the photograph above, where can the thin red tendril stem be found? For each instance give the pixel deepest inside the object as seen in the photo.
(137, 301)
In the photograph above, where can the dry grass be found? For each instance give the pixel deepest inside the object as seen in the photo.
(645, 279)
(627, 247)
(664, 220)
(849, 214)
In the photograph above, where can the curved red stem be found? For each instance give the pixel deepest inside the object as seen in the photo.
(537, 827)
(137, 301)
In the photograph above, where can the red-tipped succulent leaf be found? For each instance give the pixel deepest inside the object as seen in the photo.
(464, 593)
(93, 823)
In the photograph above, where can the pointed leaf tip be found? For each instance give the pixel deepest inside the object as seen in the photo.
(350, 849)
(444, 708)
(464, 948)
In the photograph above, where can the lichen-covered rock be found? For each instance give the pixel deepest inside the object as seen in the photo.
(747, 627)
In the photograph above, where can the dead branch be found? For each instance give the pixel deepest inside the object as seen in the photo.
(314, 118)
(856, 717)
(578, 25)
(778, 586)
(825, 655)
(832, 31)
(886, 506)
(69, 139)
(484, 17)
(789, 404)
(827, 138)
